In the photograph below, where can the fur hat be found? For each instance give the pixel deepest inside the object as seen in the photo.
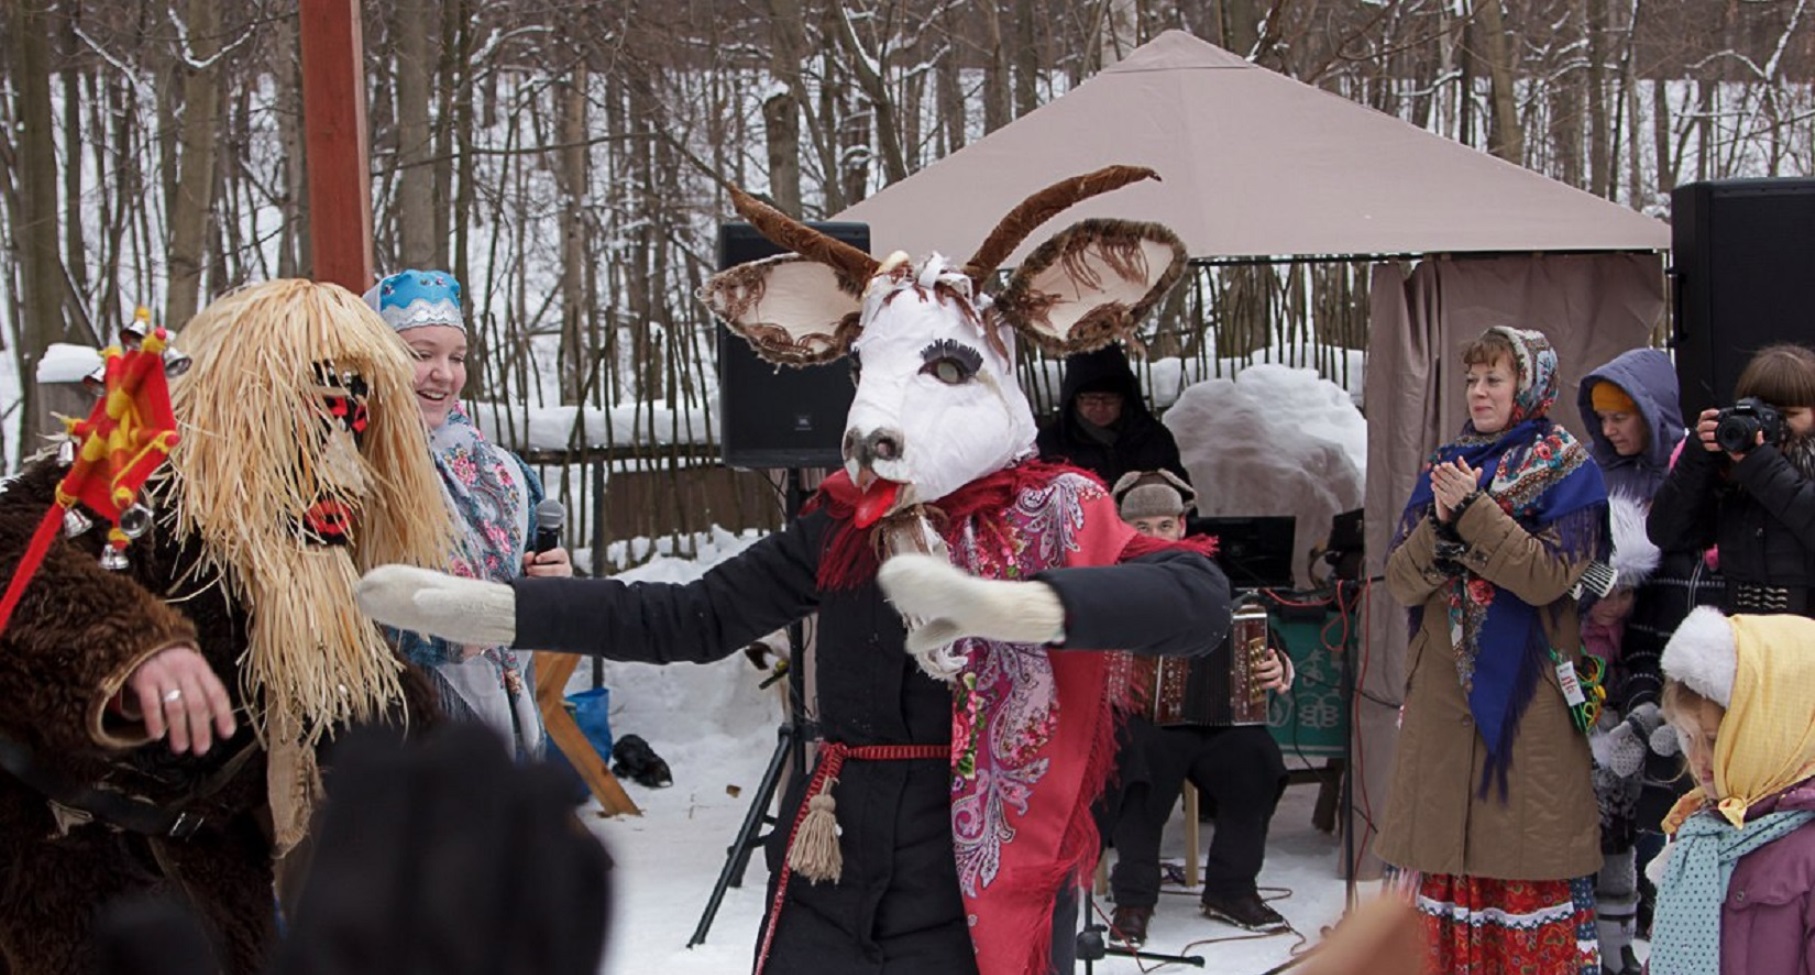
(1152, 494)
(413, 299)
(1634, 556)
(1702, 653)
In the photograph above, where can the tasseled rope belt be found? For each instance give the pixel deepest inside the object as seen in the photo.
(812, 849)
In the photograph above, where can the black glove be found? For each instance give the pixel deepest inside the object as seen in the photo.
(446, 857)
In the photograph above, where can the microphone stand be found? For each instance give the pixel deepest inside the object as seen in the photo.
(790, 745)
(1094, 943)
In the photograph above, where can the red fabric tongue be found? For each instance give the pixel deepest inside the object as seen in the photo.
(875, 503)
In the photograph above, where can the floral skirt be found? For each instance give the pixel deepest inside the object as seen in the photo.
(1482, 926)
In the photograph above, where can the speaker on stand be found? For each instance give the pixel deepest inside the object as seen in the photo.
(779, 416)
(1742, 254)
(776, 417)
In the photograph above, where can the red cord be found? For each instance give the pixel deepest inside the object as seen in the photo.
(28, 564)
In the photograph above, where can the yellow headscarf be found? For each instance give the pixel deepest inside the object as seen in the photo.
(1766, 741)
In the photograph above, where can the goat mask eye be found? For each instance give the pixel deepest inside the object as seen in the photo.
(951, 362)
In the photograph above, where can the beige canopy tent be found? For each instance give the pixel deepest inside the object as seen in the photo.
(1254, 164)
(1257, 166)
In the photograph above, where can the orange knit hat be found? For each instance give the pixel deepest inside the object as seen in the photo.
(1609, 398)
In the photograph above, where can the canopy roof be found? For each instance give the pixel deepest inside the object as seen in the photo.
(1253, 164)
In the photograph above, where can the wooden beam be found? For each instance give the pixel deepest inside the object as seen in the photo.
(335, 142)
(552, 672)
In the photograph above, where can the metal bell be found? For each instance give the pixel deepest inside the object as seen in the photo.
(96, 382)
(75, 522)
(132, 334)
(176, 363)
(114, 559)
(66, 452)
(135, 521)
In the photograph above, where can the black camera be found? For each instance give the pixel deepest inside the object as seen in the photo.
(1737, 427)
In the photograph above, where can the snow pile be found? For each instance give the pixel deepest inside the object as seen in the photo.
(1273, 441)
(65, 363)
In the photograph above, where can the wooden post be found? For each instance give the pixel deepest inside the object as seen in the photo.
(335, 143)
(552, 672)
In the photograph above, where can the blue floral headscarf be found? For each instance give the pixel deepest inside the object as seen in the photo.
(1546, 480)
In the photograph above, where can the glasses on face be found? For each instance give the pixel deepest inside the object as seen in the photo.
(1099, 399)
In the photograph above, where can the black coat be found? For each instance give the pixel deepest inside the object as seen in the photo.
(1762, 516)
(1142, 442)
(896, 907)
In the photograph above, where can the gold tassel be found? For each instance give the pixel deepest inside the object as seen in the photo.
(815, 854)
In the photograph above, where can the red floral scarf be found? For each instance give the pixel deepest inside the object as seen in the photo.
(1032, 730)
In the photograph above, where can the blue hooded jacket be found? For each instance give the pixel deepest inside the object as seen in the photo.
(1647, 376)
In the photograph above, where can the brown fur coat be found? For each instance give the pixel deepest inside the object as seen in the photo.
(77, 634)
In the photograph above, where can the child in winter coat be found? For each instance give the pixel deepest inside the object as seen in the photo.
(1736, 884)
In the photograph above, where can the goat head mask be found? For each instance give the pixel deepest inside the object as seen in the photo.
(938, 404)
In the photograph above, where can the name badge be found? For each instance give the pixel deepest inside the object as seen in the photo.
(1572, 688)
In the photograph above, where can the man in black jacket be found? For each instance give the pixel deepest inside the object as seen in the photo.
(1103, 424)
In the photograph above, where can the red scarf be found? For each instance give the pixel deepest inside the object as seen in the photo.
(1033, 732)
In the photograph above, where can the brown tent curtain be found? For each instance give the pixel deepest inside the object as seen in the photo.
(1591, 306)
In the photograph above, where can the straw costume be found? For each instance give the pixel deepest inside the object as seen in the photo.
(302, 462)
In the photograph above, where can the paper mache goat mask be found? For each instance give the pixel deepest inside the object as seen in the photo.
(938, 404)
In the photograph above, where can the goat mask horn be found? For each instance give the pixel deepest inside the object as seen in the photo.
(1041, 207)
(854, 267)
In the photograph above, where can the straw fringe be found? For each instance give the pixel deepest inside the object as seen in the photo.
(256, 455)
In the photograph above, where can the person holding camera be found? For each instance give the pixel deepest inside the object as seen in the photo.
(1750, 489)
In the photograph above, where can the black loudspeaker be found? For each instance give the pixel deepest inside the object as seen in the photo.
(779, 416)
(1743, 258)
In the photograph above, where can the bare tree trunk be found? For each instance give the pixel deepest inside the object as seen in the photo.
(951, 97)
(1241, 25)
(292, 246)
(781, 111)
(1567, 102)
(195, 177)
(1027, 59)
(75, 259)
(1466, 66)
(870, 70)
(415, 216)
(573, 173)
(1504, 137)
(35, 219)
(1601, 171)
(1660, 136)
(996, 73)
(451, 73)
(460, 106)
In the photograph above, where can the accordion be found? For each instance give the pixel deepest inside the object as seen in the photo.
(1219, 689)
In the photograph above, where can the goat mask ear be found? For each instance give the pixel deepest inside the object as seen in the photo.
(791, 309)
(1091, 284)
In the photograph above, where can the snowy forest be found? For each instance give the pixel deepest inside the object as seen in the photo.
(566, 159)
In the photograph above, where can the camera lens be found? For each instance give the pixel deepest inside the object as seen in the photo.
(1737, 433)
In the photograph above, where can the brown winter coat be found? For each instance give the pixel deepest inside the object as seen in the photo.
(1436, 820)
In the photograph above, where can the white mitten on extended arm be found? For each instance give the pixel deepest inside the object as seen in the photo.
(942, 603)
(455, 609)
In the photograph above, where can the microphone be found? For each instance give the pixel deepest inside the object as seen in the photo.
(550, 515)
